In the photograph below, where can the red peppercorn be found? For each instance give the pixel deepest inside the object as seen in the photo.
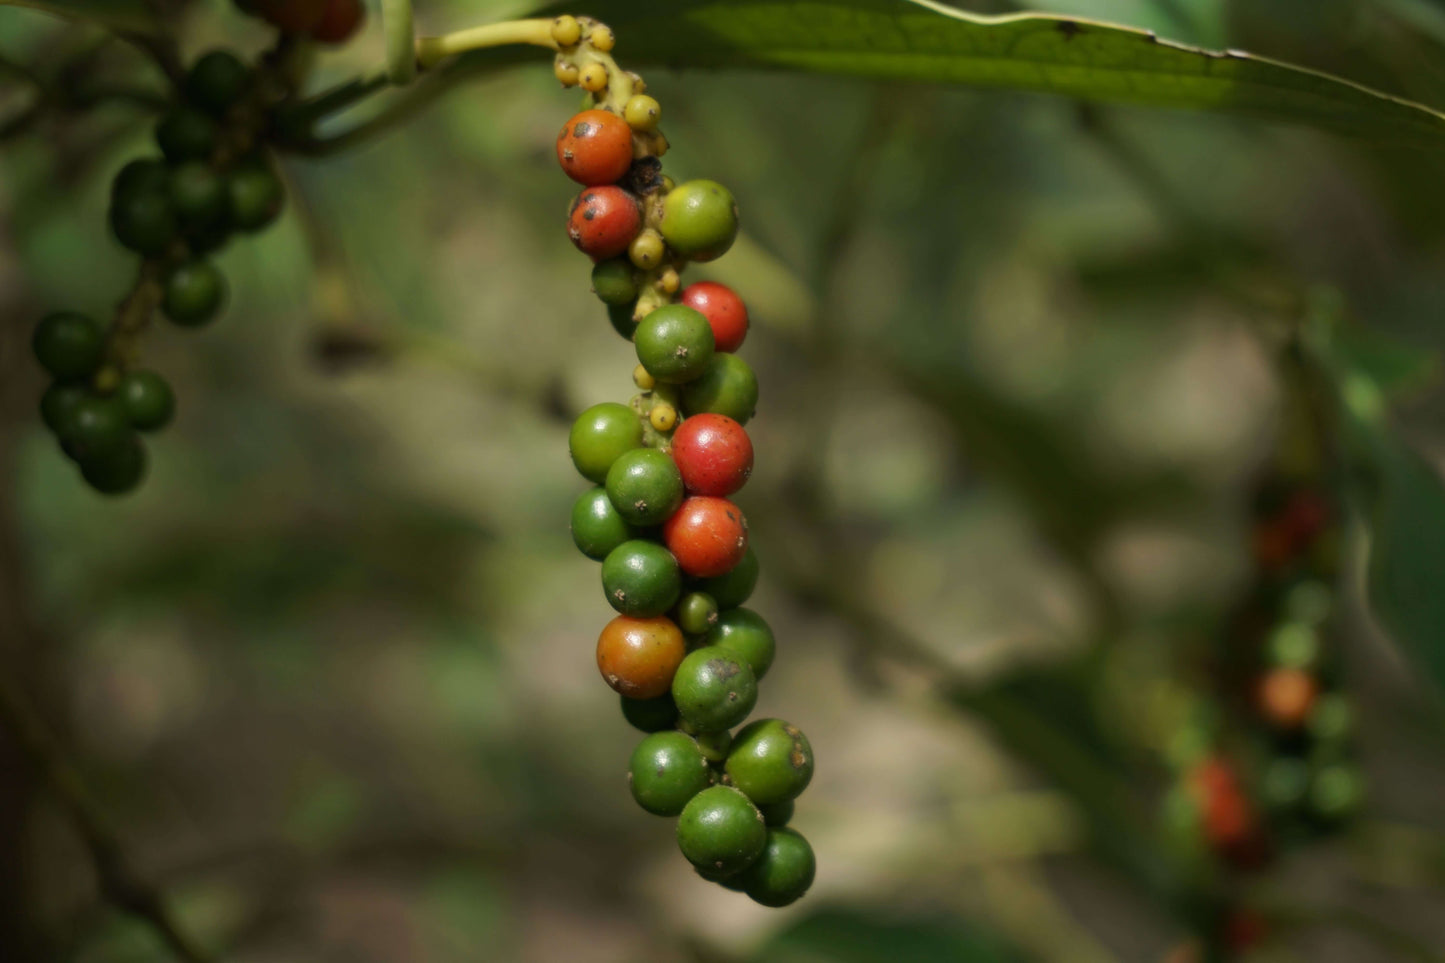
(708, 536)
(340, 21)
(713, 453)
(1286, 697)
(595, 148)
(639, 657)
(723, 309)
(604, 221)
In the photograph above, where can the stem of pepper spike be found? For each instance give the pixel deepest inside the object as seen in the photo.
(432, 50)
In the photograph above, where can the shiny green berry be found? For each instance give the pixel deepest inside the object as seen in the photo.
(721, 832)
(714, 689)
(116, 472)
(256, 195)
(187, 134)
(700, 220)
(195, 292)
(217, 80)
(68, 345)
(771, 761)
(784, 871)
(674, 343)
(777, 814)
(641, 578)
(600, 435)
(198, 195)
(743, 631)
(696, 613)
(148, 400)
(650, 715)
(1337, 792)
(667, 769)
(736, 587)
(143, 176)
(727, 387)
(144, 221)
(645, 485)
(1285, 784)
(58, 404)
(1332, 719)
(613, 282)
(97, 427)
(597, 528)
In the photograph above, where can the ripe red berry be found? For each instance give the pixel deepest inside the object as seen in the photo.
(595, 148)
(1230, 822)
(340, 21)
(1305, 516)
(639, 657)
(723, 309)
(708, 536)
(604, 221)
(713, 453)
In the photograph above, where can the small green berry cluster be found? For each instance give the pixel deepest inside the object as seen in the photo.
(683, 653)
(213, 178)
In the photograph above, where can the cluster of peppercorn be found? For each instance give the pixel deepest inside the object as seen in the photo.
(213, 179)
(1283, 772)
(683, 653)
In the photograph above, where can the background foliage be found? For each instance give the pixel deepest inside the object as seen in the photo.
(330, 672)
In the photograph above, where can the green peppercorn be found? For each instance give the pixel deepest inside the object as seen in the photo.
(650, 715)
(148, 400)
(597, 528)
(600, 435)
(645, 486)
(667, 770)
(641, 579)
(58, 404)
(743, 631)
(256, 195)
(714, 689)
(613, 282)
(771, 761)
(144, 176)
(187, 134)
(198, 195)
(217, 80)
(620, 317)
(700, 220)
(736, 587)
(1337, 792)
(117, 471)
(727, 387)
(715, 745)
(68, 345)
(195, 292)
(777, 814)
(674, 343)
(783, 872)
(721, 832)
(96, 427)
(696, 613)
(144, 221)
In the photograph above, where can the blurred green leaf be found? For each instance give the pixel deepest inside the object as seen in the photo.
(847, 935)
(1394, 367)
(924, 41)
(134, 16)
(1407, 557)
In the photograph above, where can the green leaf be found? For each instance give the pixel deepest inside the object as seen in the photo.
(919, 40)
(1407, 554)
(843, 935)
(131, 16)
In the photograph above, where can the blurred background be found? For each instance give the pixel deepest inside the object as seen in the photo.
(1026, 384)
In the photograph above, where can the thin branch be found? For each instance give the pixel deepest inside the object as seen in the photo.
(119, 882)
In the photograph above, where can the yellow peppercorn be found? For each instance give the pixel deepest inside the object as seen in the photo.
(647, 249)
(602, 38)
(663, 416)
(566, 72)
(566, 31)
(594, 78)
(670, 281)
(642, 112)
(643, 378)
